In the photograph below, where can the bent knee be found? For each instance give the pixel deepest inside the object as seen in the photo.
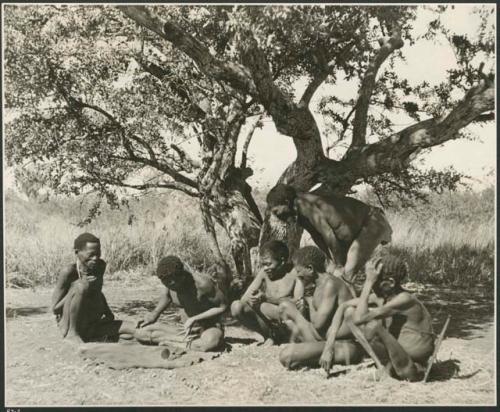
(285, 307)
(349, 313)
(81, 286)
(212, 341)
(236, 308)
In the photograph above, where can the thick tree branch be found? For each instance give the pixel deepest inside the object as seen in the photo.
(387, 46)
(487, 117)
(233, 73)
(401, 148)
(290, 119)
(248, 139)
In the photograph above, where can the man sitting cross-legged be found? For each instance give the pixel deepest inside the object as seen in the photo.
(406, 345)
(81, 310)
(202, 301)
(274, 283)
(323, 294)
(345, 229)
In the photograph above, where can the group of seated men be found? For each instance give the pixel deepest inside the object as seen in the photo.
(295, 301)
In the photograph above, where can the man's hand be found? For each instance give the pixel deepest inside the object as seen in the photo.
(256, 298)
(149, 319)
(188, 326)
(373, 270)
(301, 305)
(326, 360)
(109, 316)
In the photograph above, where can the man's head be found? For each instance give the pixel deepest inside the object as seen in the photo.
(88, 249)
(280, 201)
(171, 272)
(308, 262)
(273, 257)
(392, 273)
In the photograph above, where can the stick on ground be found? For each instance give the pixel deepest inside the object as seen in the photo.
(436, 348)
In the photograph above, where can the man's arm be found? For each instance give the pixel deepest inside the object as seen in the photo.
(221, 305)
(298, 290)
(330, 297)
(399, 304)
(253, 287)
(164, 301)
(62, 285)
(338, 318)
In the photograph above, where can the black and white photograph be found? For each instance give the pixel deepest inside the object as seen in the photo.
(239, 204)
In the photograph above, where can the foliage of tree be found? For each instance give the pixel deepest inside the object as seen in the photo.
(135, 97)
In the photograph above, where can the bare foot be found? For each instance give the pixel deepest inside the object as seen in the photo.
(266, 343)
(73, 338)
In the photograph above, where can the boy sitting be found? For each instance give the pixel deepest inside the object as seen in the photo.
(202, 301)
(81, 310)
(408, 343)
(275, 282)
(323, 294)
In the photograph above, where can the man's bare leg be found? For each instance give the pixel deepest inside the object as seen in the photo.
(302, 329)
(160, 333)
(296, 355)
(113, 329)
(248, 318)
(376, 231)
(72, 311)
(211, 339)
(402, 363)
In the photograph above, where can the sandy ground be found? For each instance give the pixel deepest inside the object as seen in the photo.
(41, 371)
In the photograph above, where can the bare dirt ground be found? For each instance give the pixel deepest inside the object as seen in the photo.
(42, 371)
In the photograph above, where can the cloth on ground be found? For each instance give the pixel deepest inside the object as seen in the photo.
(125, 356)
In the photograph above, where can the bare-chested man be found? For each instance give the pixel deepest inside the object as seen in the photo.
(323, 294)
(81, 310)
(274, 283)
(345, 229)
(406, 345)
(202, 301)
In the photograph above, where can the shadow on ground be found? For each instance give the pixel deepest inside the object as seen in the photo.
(11, 313)
(135, 307)
(471, 311)
(445, 370)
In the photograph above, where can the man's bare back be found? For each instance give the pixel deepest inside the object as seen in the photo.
(344, 228)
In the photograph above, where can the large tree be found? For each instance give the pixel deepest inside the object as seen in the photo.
(160, 96)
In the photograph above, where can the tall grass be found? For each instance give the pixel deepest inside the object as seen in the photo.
(39, 236)
(448, 241)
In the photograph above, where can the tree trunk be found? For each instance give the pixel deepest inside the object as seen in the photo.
(222, 271)
(233, 208)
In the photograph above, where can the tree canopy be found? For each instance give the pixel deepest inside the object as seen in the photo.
(113, 97)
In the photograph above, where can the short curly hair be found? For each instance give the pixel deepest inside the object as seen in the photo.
(81, 241)
(275, 248)
(169, 266)
(310, 256)
(393, 267)
(281, 195)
